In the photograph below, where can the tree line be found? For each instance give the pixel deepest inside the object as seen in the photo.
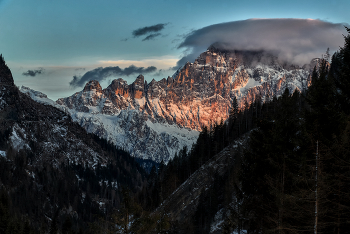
(294, 174)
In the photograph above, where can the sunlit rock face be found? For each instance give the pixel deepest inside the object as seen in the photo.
(156, 119)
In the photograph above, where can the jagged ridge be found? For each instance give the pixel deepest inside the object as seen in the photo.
(154, 120)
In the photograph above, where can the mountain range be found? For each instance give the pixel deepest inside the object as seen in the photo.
(157, 119)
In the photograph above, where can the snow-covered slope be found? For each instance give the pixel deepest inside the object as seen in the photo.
(141, 137)
(39, 97)
(129, 129)
(46, 132)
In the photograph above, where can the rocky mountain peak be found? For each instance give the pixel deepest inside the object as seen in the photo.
(118, 87)
(140, 80)
(137, 88)
(93, 85)
(152, 82)
(5, 73)
(118, 83)
(169, 80)
(155, 120)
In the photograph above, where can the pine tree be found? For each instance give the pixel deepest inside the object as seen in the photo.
(54, 225)
(272, 175)
(321, 127)
(341, 73)
(4, 212)
(129, 209)
(327, 126)
(338, 150)
(234, 109)
(67, 225)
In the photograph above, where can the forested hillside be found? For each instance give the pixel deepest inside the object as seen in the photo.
(293, 175)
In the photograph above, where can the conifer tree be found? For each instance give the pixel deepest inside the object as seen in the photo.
(234, 109)
(272, 169)
(341, 73)
(54, 225)
(4, 212)
(338, 175)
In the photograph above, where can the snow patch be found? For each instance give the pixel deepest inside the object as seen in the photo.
(218, 221)
(18, 137)
(250, 84)
(41, 98)
(3, 154)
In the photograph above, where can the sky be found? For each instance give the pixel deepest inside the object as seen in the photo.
(56, 46)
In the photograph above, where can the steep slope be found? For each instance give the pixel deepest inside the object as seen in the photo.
(154, 120)
(183, 202)
(50, 164)
(47, 132)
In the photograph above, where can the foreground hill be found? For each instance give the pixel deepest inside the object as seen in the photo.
(51, 168)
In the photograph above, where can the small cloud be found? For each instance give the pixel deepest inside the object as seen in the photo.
(124, 39)
(151, 36)
(159, 73)
(179, 38)
(33, 72)
(80, 69)
(176, 40)
(186, 34)
(75, 81)
(165, 72)
(150, 29)
(101, 74)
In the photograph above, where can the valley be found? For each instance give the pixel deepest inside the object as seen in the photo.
(225, 145)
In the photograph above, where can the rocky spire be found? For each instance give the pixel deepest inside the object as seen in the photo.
(5, 73)
(93, 84)
(137, 88)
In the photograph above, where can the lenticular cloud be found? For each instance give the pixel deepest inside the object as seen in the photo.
(293, 40)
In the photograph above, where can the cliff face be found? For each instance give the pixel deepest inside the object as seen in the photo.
(5, 73)
(157, 119)
(8, 96)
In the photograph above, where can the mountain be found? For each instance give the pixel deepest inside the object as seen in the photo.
(51, 167)
(130, 117)
(154, 120)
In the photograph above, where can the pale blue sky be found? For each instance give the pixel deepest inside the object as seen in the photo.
(66, 38)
